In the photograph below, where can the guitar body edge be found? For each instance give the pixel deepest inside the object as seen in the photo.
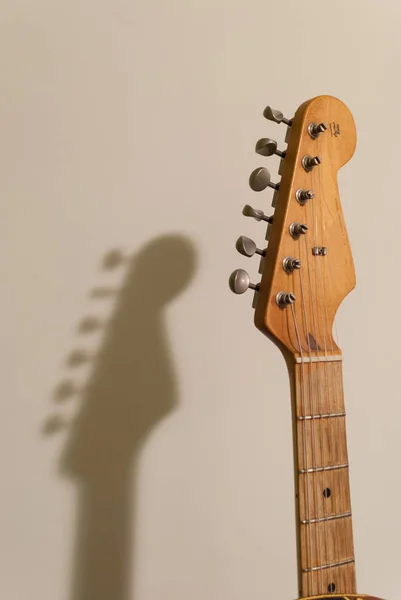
(342, 597)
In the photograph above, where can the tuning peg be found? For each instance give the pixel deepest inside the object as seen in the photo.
(257, 214)
(290, 264)
(283, 299)
(239, 282)
(304, 195)
(259, 180)
(275, 115)
(298, 229)
(315, 129)
(268, 147)
(247, 247)
(309, 162)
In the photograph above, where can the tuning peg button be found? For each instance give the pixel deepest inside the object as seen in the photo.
(276, 116)
(257, 214)
(260, 179)
(268, 147)
(247, 247)
(239, 282)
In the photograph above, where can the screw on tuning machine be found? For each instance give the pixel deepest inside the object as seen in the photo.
(276, 116)
(247, 247)
(255, 213)
(260, 179)
(268, 147)
(304, 195)
(309, 162)
(297, 229)
(239, 282)
(290, 264)
(315, 129)
(283, 299)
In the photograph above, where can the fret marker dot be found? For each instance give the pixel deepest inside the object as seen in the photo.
(327, 493)
(331, 588)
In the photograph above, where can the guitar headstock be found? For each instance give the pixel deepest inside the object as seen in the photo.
(307, 268)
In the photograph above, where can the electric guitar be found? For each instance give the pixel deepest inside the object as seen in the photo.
(307, 270)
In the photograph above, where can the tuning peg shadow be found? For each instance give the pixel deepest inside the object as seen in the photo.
(104, 292)
(89, 325)
(66, 390)
(130, 389)
(54, 424)
(79, 357)
(113, 259)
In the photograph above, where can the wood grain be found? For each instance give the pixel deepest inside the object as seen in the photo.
(345, 597)
(304, 333)
(323, 281)
(321, 443)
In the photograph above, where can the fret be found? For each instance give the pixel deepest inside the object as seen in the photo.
(321, 469)
(326, 541)
(304, 280)
(321, 443)
(325, 519)
(318, 359)
(313, 505)
(324, 416)
(343, 576)
(321, 389)
(341, 563)
(322, 479)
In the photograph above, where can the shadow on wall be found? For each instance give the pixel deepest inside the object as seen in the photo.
(131, 389)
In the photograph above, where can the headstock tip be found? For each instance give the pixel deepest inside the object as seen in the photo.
(338, 120)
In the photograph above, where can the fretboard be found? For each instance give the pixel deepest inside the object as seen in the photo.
(324, 521)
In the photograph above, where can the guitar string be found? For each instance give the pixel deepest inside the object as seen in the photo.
(328, 370)
(314, 421)
(309, 578)
(338, 433)
(311, 410)
(327, 477)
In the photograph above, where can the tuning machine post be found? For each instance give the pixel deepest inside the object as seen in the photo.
(256, 214)
(310, 162)
(285, 299)
(268, 147)
(315, 129)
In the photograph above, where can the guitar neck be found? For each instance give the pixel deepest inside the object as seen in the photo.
(324, 521)
(307, 271)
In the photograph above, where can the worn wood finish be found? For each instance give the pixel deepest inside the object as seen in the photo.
(324, 520)
(344, 597)
(323, 282)
(304, 332)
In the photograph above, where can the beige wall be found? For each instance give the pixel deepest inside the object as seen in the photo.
(150, 457)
